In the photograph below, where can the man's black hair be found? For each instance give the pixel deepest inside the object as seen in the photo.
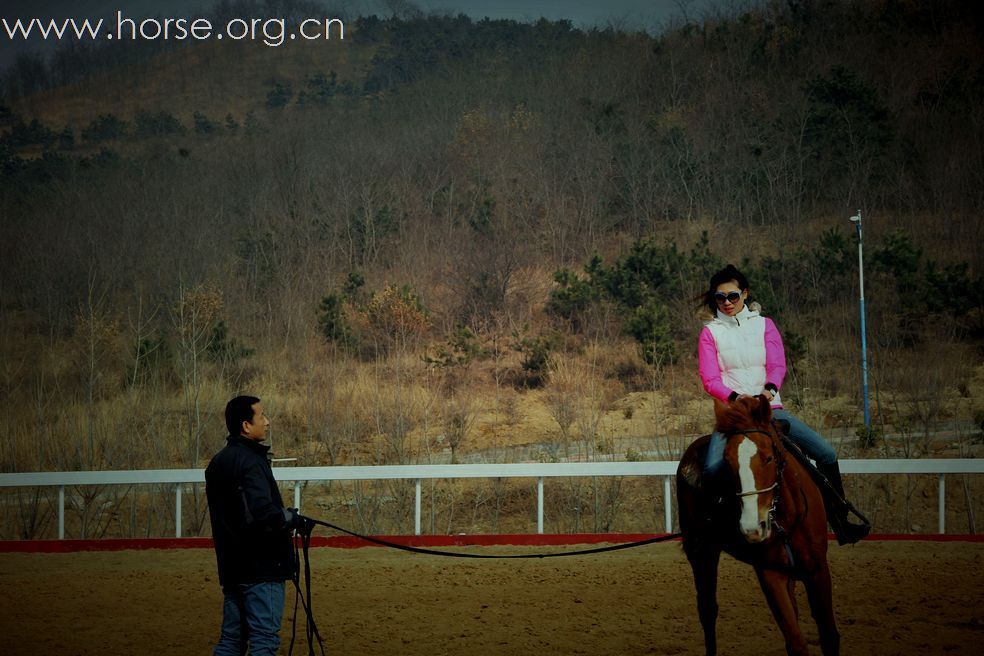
(237, 411)
(727, 274)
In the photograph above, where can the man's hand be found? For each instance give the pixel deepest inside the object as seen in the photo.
(305, 525)
(298, 522)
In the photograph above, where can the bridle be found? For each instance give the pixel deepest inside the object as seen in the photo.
(781, 532)
(780, 465)
(762, 491)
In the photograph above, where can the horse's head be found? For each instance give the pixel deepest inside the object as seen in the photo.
(752, 453)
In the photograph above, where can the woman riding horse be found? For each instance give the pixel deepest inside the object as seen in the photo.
(741, 354)
(775, 522)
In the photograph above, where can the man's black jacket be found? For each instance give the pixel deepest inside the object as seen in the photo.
(250, 526)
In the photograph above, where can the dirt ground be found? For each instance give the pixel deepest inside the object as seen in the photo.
(890, 598)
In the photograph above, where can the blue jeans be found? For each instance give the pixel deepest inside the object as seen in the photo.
(807, 439)
(262, 606)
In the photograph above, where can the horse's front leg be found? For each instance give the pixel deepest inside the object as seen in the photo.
(704, 560)
(775, 586)
(819, 592)
(791, 591)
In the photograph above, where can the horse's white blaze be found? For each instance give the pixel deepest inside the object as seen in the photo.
(749, 521)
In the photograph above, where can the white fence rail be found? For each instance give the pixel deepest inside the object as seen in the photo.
(417, 473)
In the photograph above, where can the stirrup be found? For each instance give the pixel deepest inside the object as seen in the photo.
(848, 509)
(848, 533)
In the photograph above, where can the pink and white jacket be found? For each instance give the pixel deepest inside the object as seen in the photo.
(742, 354)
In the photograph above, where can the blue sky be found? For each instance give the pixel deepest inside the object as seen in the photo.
(650, 15)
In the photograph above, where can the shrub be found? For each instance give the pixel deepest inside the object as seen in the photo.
(29, 134)
(204, 125)
(536, 358)
(279, 96)
(390, 319)
(461, 347)
(574, 296)
(222, 348)
(869, 437)
(318, 89)
(633, 284)
(650, 325)
(66, 138)
(151, 360)
(106, 126)
(157, 124)
(397, 316)
(332, 321)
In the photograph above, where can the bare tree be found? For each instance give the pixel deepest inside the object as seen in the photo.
(194, 317)
(459, 417)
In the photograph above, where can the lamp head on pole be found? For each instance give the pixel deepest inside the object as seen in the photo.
(856, 220)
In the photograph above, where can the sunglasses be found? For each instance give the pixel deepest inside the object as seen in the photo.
(730, 297)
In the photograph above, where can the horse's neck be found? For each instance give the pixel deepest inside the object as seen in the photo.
(794, 488)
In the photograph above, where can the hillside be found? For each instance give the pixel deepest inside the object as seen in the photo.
(441, 237)
(215, 79)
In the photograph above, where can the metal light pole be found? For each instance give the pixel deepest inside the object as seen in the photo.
(856, 220)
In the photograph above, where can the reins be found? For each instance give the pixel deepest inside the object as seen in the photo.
(303, 544)
(754, 492)
(453, 554)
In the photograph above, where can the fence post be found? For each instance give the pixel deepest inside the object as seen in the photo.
(942, 504)
(416, 509)
(667, 506)
(297, 495)
(177, 511)
(539, 505)
(61, 512)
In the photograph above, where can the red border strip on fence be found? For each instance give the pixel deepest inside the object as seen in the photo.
(348, 542)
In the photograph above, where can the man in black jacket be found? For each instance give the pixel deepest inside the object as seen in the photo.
(252, 534)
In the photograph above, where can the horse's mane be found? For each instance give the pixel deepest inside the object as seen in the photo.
(742, 414)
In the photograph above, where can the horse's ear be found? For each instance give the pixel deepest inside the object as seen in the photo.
(762, 413)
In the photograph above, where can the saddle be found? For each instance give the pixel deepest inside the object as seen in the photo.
(692, 468)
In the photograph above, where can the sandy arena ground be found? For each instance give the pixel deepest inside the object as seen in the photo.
(891, 598)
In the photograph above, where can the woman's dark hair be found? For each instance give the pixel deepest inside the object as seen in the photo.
(237, 411)
(727, 274)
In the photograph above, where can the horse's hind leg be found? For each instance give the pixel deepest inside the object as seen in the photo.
(775, 586)
(819, 591)
(704, 560)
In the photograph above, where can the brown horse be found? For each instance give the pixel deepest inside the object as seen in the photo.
(765, 511)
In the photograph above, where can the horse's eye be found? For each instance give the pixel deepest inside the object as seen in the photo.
(768, 460)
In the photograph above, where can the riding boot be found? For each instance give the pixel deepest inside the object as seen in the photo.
(838, 508)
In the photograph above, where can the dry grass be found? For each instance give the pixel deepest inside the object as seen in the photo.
(321, 401)
(328, 408)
